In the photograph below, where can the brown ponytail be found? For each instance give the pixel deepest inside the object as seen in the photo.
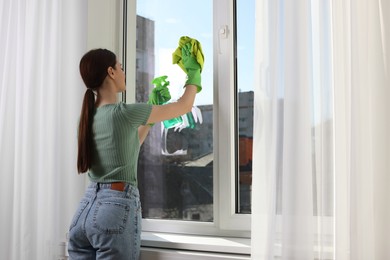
(93, 70)
(85, 132)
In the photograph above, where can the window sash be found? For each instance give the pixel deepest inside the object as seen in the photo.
(226, 221)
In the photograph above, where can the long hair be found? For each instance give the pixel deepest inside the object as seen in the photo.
(93, 70)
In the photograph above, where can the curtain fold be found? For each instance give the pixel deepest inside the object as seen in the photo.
(40, 96)
(321, 143)
(361, 45)
(291, 131)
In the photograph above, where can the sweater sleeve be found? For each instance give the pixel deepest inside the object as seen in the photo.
(136, 114)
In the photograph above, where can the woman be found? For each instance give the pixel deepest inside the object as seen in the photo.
(107, 224)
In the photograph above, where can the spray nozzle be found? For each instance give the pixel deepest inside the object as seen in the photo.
(160, 81)
(161, 90)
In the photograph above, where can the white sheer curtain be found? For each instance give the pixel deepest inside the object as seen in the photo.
(321, 174)
(40, 96)
(362, 127)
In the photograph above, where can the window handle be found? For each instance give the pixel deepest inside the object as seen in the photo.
(222, 34)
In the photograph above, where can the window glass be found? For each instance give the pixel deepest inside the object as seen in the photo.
(245, 38)
(175, 168)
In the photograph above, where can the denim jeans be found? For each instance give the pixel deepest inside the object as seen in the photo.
(107, 224)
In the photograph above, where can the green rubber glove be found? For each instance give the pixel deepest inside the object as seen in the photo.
(192, 67)
(160, 94)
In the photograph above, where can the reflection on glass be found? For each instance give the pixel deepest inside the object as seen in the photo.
(175, 168)
(245, 22)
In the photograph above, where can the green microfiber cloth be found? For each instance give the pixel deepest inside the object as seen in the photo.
(196, 50)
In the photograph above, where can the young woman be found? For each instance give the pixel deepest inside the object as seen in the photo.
(107, 224)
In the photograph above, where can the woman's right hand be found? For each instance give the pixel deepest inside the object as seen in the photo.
(192, 66)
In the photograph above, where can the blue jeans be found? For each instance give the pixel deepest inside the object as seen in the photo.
(107, 224)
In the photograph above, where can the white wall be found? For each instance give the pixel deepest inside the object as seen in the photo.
(104, 24)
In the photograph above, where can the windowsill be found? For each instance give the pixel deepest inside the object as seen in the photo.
(196, 242)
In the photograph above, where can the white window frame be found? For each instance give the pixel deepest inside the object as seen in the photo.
(225, 107)
(226, 221)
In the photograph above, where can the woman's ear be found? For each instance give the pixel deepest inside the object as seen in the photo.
(110, 72)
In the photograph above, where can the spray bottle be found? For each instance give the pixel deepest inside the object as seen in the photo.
(161, 83)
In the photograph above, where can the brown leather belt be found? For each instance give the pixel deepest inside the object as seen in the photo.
(120, 186)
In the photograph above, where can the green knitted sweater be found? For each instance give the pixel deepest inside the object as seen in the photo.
(116, 142)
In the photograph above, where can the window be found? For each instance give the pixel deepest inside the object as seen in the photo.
(197, 179)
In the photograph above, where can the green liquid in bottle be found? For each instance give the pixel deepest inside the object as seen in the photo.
(171, 123)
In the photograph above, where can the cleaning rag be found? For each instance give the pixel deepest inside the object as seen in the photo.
(196, 50)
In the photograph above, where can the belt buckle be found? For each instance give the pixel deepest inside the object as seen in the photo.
(119, 186)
